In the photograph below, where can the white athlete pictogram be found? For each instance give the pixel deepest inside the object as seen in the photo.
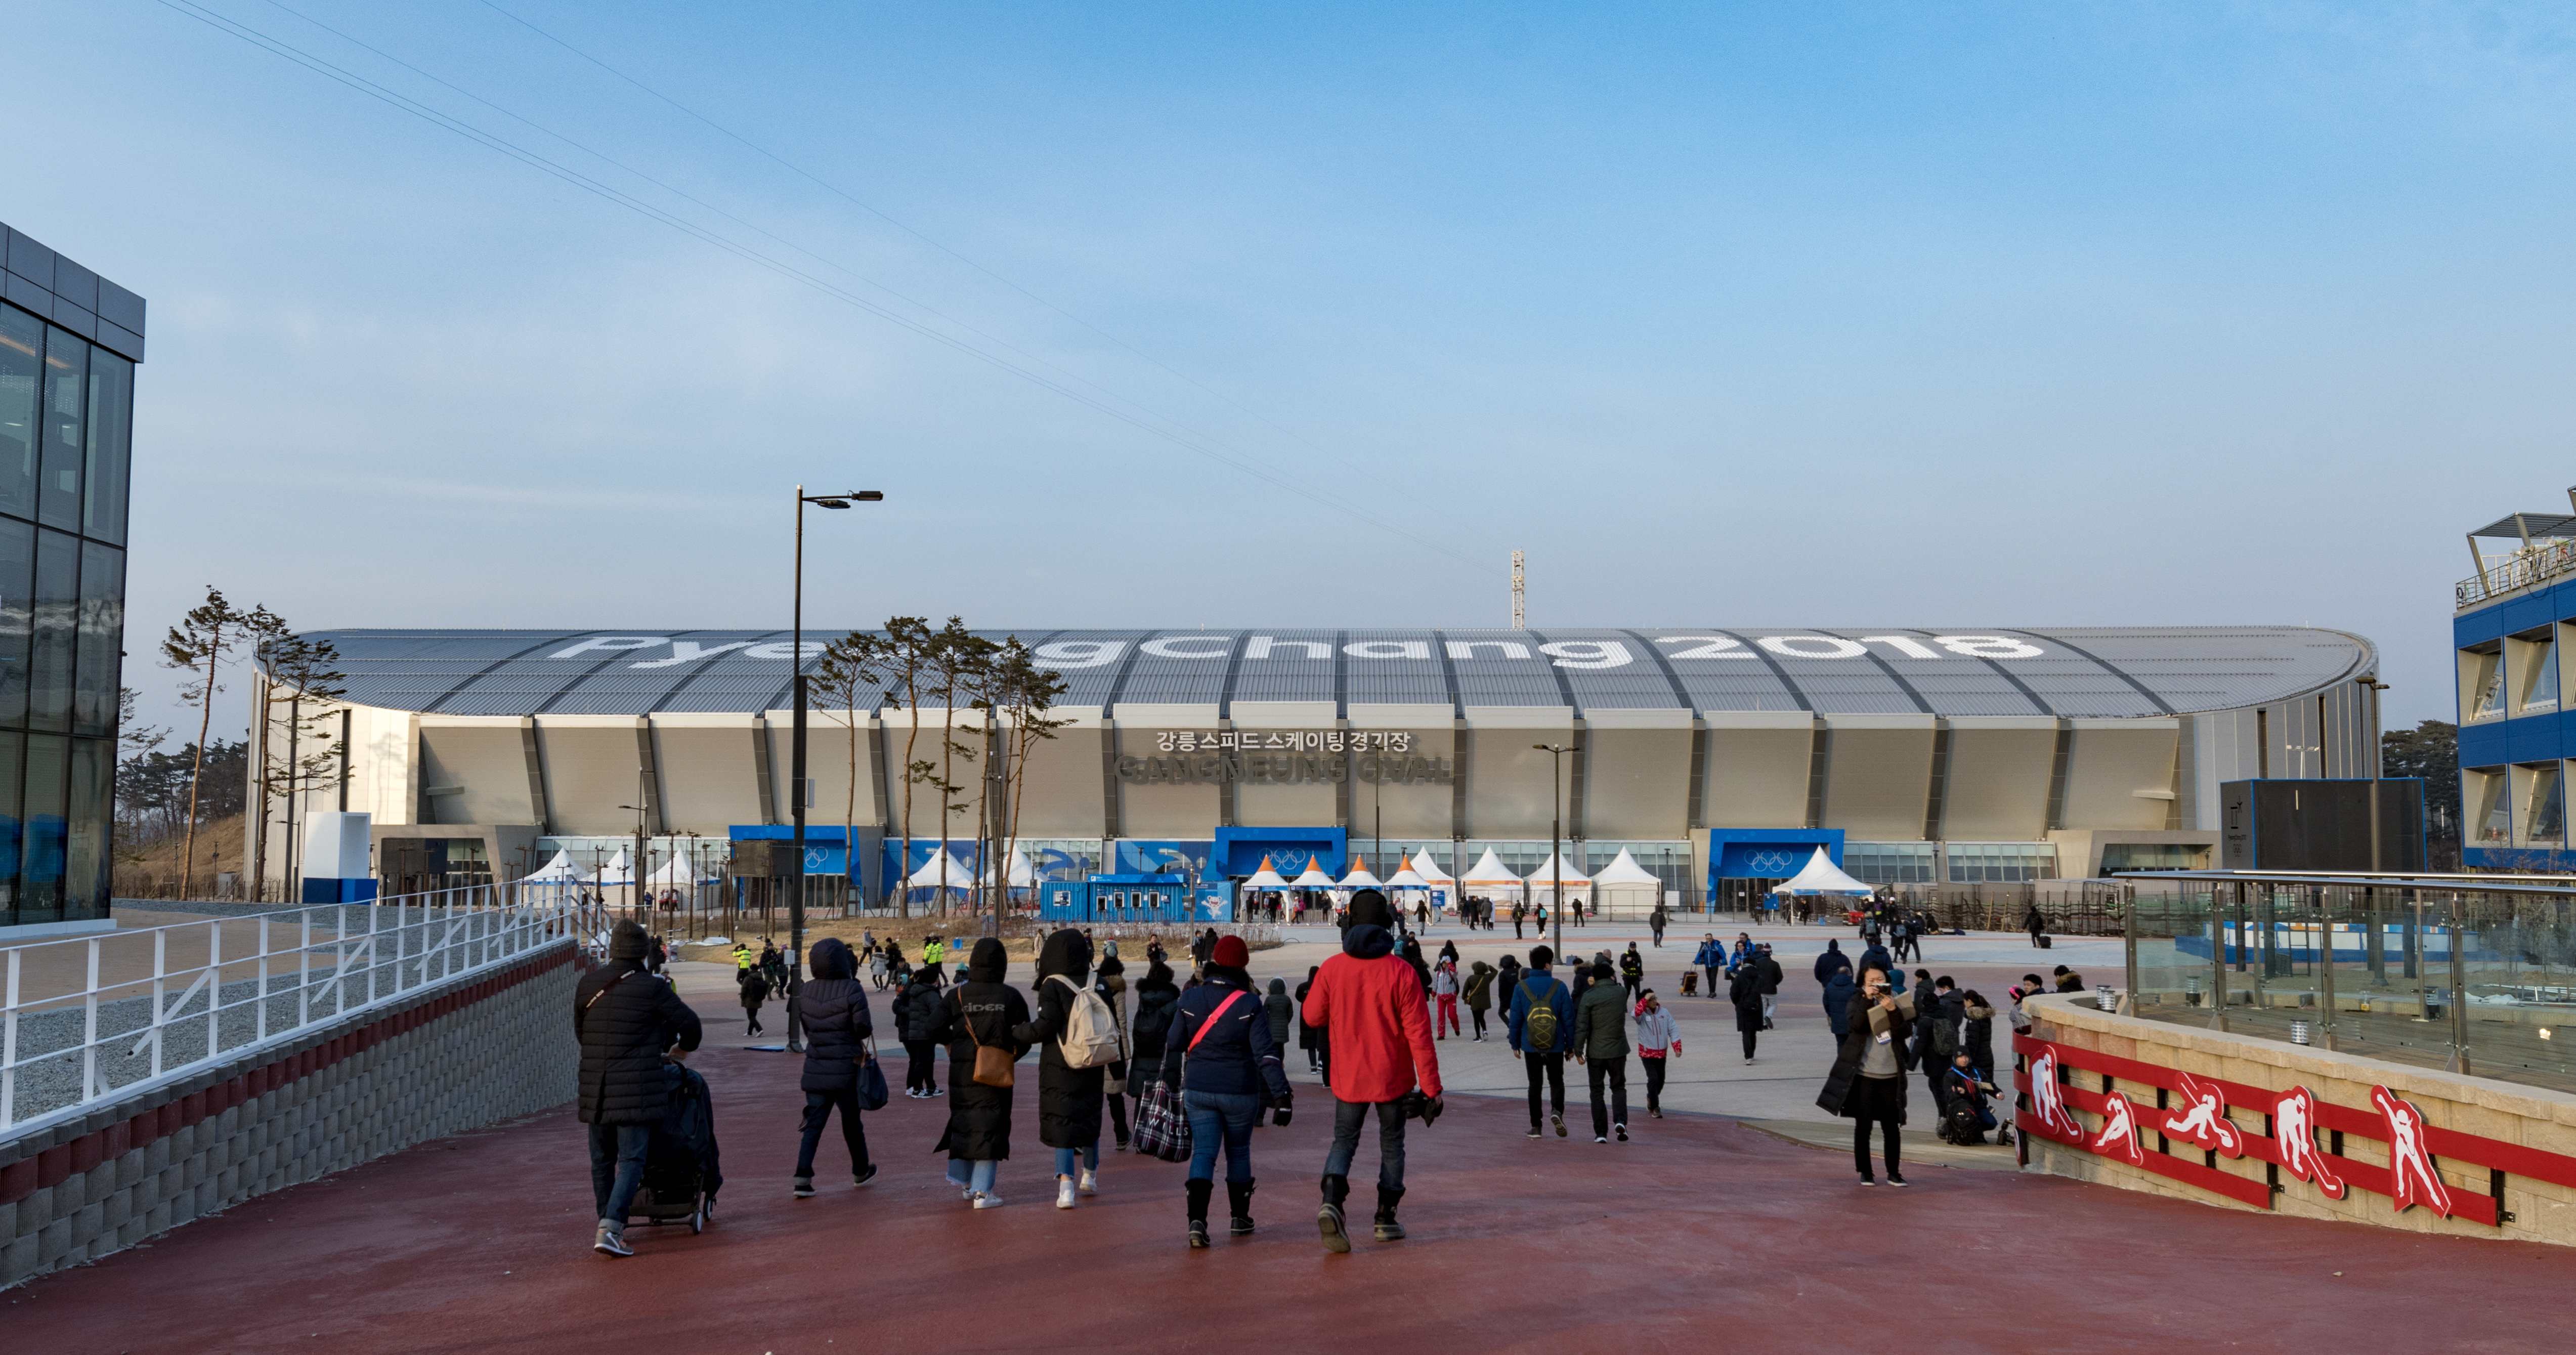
(2411, 1177)
(2294, 1128)
(2047, 1100)
(2119, 1136)
(2203, 1119)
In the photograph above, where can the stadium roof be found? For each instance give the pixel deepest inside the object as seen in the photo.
(2082, 672)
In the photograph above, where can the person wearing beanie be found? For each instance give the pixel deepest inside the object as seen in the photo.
(628, 1023)
(1069, 1098)
(979, 1013)
(1372, 1009)
(1221, 1060)
(834, 1012)
(1541, 1045)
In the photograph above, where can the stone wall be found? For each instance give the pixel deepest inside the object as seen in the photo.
(456, 1056)
(2504, 1150)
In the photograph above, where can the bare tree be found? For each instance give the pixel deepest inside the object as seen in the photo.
(200, 645)
(850, 669)
(905, 654)
(1017, 694)
(957, 660)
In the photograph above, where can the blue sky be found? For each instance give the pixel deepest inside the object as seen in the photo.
(1938, 314)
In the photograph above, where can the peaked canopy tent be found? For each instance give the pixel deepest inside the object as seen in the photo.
(556, 872)
(1314, 878)
(1265, 878)
(1359, 878)
(618, 871)
(1490, 877)
(1429, 870)
(1023, 874)
(676, 874)
(942, 871)
(1556, 871)
(1626, 889)
(1822, 876)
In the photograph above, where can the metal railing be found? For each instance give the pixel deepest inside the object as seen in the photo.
(91, 1019)
(2500, 575)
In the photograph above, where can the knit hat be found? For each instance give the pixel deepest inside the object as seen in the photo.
(1368, 909)
(1231, 952)
(629, 941)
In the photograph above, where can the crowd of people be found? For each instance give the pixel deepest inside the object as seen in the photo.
(1195, 1064)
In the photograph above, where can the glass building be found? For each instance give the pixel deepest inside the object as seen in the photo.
(69, 343)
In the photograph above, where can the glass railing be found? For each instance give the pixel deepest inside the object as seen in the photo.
(2466, 974)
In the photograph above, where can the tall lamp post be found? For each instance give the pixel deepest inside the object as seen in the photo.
(796, 757)
(1556, 832)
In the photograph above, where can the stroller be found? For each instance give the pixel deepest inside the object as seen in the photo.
(681, 1175)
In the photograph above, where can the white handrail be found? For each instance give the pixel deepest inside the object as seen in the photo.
(73, 1037)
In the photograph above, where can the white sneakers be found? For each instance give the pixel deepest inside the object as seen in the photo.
(1090, 1181)
(611, 1240)
(985, 1199)
(1064, 1198)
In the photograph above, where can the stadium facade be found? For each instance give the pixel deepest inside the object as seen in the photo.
(1719, 758)
(2517, 709)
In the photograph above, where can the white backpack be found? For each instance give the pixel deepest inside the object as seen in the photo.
(1090, 1038)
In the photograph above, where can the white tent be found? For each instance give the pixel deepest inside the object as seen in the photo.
(1627, 889)
(1314, 878)
(941, 871)
(1265, 878)
(1557, 870)
(618, 871)
(674, 874)
(1821, 876)
(556, 872)
(1407, 879)
(1490, 876)
(1359, 878)
(1429, 870)
(1023, 875)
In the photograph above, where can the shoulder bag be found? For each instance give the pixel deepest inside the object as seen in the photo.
(992, 1064)
(873, 1093)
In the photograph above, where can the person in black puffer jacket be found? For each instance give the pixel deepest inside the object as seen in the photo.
(1224, 1065)
(1156, 995)
(917, 1018)
(1109, 980)
(628, 1023)
(979, 1013)
(834, 1008)
(1068, 1098)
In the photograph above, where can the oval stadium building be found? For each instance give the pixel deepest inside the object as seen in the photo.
(1718, 758)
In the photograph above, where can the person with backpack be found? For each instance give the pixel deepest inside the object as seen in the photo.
(1936, 1033)
(754, 983)
(977, 1019)
(1076, 1042)
(1659, 1038)
(1535, 1025)
(834, 1010)
(2036, 923)
(1632, 973)
(1384, 1062)
(1224, 1065)
(1480, 994)
(1600, 1043)
(1745, 991)
(627, 1023)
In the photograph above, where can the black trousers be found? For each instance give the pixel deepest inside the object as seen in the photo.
(1633, 985)
(1118, 1118)
(1860, 1145)
(818, 1108)
(1654, 1082)
(1748, 1042)
(920, 1066)
(1551, 1069)
(1613, 1071)
(751, 1020)
(1479, 1014)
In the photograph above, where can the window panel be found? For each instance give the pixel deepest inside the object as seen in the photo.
(2540, 692)
(111, 446)
(40, 891)
(2546, 811)
(49, 665)
(13, 749)
(17, 615)
(85, 866)
(22, 366)
(66, 451)
(102, 632)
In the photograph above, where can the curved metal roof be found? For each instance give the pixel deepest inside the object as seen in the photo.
(2085, 671)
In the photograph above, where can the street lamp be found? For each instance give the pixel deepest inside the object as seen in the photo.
(796, 756)
(1555, 827)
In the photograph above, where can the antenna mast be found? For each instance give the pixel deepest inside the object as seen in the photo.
(1520, 596)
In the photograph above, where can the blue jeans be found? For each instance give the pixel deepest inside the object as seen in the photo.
(1226, 1117)
(1089, 1153)
(617, 1167)
(975, 1176)
(1347, 1116)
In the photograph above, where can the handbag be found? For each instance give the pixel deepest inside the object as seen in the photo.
(992, 1063)
(1161, 1129)
(873, 1093)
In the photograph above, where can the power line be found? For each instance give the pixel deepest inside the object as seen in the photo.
(491, 141)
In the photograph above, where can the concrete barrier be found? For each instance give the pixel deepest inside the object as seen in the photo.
(459, 1055)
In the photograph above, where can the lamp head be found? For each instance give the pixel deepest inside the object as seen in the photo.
(830, 503)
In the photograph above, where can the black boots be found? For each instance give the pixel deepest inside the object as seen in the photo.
(1199, 1192)
(1329, 1218)
(1388, 1230)
(1239, 1195)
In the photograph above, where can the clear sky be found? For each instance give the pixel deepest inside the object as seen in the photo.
(1935, 314)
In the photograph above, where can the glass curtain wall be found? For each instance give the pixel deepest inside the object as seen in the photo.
(66, 420)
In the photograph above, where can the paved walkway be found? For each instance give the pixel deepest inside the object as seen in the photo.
(1701, 1234)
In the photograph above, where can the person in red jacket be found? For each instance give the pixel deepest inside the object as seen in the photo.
(1370, 1005)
